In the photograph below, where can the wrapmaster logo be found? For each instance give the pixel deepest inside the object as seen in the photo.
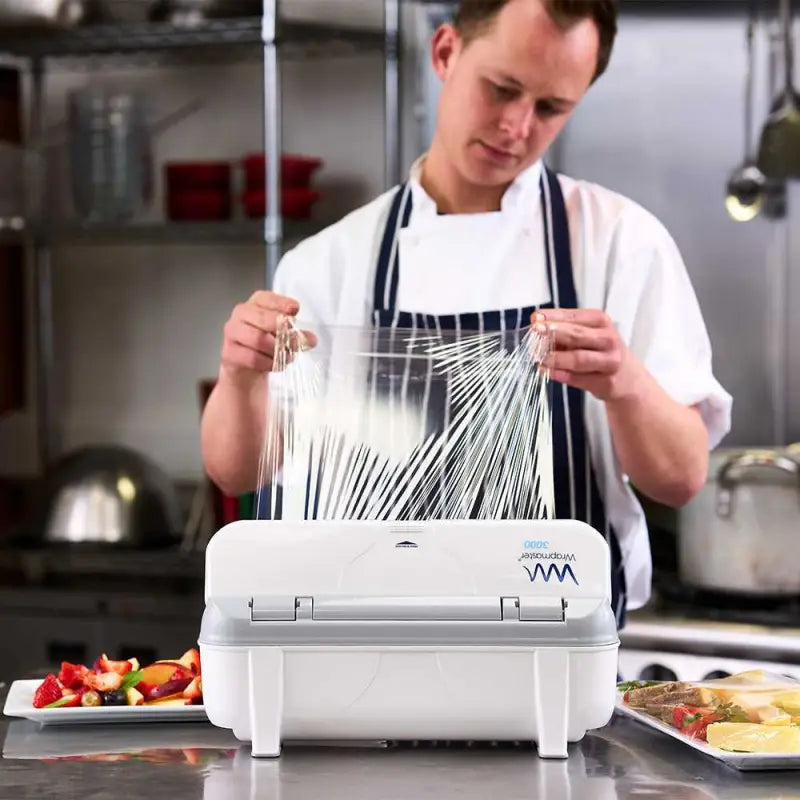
(553, 570)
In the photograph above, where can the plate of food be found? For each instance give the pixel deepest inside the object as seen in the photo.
(112, 691)
(750, 721)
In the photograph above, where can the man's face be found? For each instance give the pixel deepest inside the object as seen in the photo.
(508, 93)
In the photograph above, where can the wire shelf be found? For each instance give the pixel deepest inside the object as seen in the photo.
(234, 232)
(152, 37)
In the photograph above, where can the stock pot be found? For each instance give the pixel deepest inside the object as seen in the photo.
(740, 534)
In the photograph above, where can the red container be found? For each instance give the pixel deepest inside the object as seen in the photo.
(182, 175)
(296, 203)
(296, 171)
(199, 205)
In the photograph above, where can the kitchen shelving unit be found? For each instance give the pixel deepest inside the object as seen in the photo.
(274, 37)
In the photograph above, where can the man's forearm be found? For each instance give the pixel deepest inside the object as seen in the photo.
(232, 433)
(661, 445)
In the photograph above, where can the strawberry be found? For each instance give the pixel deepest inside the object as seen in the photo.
(72, 676)
(120, 667)
(67, 701)
(48, 692)
(105, 682)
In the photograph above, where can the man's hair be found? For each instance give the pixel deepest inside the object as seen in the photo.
(474, 17)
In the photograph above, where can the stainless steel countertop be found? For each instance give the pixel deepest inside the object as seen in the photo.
(175, 760)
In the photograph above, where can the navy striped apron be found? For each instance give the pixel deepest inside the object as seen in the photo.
(576, 493)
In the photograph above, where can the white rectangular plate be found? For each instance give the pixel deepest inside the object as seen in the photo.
(742, 761)
(19, 703)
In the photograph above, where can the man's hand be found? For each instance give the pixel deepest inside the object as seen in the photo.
(662, 445)
(248, 344)
(588, 352)
(233, 422)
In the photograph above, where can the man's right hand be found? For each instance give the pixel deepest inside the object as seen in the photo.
(248, 344)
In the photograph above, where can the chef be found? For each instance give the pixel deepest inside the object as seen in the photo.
(483, 236)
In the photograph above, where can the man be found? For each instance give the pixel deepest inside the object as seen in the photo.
(487, 237)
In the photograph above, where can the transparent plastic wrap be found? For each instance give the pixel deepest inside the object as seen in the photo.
(407, 424)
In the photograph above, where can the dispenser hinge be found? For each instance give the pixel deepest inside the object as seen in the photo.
(534, 609)
(266, 608)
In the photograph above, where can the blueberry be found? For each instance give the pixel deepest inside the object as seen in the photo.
(116, 698)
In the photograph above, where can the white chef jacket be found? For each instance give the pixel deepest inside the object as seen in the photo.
(624, 262)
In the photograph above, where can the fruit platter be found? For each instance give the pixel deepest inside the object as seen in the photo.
(112, 691)
(750, 720)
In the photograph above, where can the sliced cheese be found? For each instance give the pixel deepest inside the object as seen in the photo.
(789, 702)
(748, 737)
(751, 681)
(772, 715)
(760, 708)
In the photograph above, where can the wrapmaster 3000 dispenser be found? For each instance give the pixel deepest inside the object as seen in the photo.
(441, 630)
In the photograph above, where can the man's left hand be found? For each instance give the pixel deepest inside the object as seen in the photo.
(588, 352)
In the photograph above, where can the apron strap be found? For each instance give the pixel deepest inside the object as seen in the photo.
(388, 269)
(557, 242)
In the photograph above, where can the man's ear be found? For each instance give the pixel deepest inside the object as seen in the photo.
(445, 47)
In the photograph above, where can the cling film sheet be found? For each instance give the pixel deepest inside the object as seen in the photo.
(407, 424)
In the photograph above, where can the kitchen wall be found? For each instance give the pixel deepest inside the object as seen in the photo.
(138, 326)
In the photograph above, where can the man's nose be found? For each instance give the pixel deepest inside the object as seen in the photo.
(517, 121)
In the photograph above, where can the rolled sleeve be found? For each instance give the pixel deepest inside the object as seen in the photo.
(667, 332)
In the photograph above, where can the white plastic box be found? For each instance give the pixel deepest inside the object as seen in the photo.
(462, 630)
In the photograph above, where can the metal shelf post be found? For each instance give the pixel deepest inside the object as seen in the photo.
(47, 438)
(273, 223)
(392, 138)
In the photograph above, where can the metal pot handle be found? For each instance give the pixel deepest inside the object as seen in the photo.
(730, 474)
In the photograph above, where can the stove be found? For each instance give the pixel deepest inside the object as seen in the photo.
(694, 636)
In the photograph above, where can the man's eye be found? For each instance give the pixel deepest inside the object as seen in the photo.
(546, 109)
(504, 92)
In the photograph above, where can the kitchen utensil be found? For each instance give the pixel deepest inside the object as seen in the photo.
(745, 190)
(779, 151)
(198, 190)
(198, 204)
(110, 156)
(110, 142)
(296, 170)
(186, 175)
(739, 533)
(109, 495)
